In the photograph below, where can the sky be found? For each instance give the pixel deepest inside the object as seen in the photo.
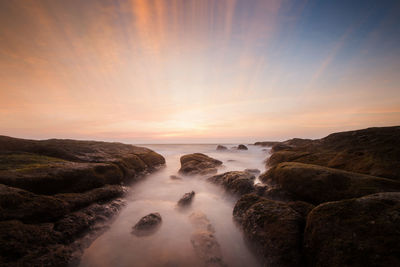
(197, 71)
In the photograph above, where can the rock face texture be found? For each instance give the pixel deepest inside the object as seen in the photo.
(147, 225)
(273, 228)
(317, 184)
(57, 195)
(198, 163)
(358, 232)
(372, 151)
(235, 182)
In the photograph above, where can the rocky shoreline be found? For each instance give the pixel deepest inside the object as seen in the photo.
(57, 196)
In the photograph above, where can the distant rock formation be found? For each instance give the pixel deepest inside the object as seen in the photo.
(242, 147)
(221, 147)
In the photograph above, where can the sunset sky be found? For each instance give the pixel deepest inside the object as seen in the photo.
(181, 71)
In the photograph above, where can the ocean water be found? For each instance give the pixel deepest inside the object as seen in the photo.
(170, 245)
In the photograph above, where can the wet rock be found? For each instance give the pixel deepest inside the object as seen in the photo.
(273, 229)
(175, 177)
(221, 147)
(317, 184)
(147, 225)
(186, 199)
(198, 163)
(372, 151)
(356, 232)
(242, 147)
(303, 208)
(204, 242)
(235, 182)
(278, 194)
(260, 188)
(253, 171)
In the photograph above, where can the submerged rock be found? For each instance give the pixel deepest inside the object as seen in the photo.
(317, 184)
(235, 182)
(221, 147)
(356, 232)
(204, 242)
(242, 147)
(186, 199)
(198, 163)
(147, 225)
(175, 177)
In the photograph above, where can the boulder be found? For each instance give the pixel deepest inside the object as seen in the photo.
(198, 163)
(242, 147)
(356, 232)
(175, 177)
(221, 147)
(235, 182)
(147, 225)
(273, 229)
(186, 199)
(317, 184)
(372, 151)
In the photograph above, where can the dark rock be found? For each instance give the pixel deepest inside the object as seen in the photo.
(220, 147)
(235, 182)
(198, 163)
(356, 232)
(273, 229)
(278, 194)
(147, 225)
(175, 177)
(253, 171)
(317, 184)
(303, 208)
(242, 147)
(266, 143)
(260, 188)
(186, 199)
(372, 151)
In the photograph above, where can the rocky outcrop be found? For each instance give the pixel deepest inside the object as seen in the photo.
(198, 163)
(357, 232)
(242, 147)
(56, 196)
(204, 242)
(147, 225)
(235, 182)
(273, 229)
(186, 199)
(372, 151)
(221, 147)
(317, 184)
(253, 171)
(266, 143)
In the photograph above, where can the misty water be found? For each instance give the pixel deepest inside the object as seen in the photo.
(170, 245)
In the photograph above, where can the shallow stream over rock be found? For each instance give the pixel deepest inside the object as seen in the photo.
(171, 244)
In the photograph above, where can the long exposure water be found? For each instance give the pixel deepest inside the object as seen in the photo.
(170, 245)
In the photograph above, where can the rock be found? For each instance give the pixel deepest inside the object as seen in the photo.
(186, 199)
(221, 147)
(372, 151)
(278, 194)
(303, 208)
(260, 188)
(204, 242)
(253, 171)
(147, 225)
(356, 232)
(175, 177)
(57, 195)
(198, 163)
(317, 184)
(242, 147)
(266, 143)
(273, 229)
(235, 182)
